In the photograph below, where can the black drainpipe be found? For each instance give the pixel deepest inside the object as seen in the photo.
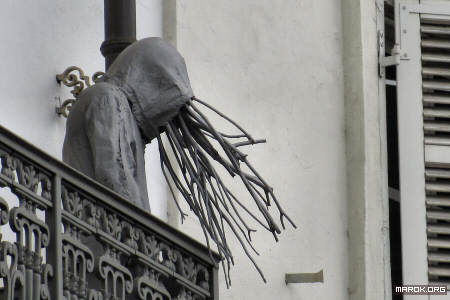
(120, 28)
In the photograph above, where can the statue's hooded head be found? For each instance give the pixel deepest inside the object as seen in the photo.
(154, 78)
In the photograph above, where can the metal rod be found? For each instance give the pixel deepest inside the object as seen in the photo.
(120, 28)
(54, 250)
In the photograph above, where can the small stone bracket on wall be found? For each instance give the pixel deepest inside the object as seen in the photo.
(78, 82)
(304, 277)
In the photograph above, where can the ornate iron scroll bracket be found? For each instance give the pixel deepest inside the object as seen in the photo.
(78, 82)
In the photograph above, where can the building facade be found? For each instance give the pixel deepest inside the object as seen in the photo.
(312, 78)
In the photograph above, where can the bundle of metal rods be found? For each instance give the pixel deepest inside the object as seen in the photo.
(190, 138)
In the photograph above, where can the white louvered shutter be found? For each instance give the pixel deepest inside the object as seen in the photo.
(423, 95)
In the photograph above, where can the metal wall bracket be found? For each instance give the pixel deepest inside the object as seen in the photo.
(69, 78)
(393, 60)
(387, 61)
(304, 277)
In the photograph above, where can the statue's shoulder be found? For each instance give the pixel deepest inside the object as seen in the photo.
(99, 94)
(99, 91)
(101, 97)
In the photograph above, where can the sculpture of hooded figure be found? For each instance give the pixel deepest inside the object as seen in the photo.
(144, 92)
(111, 122)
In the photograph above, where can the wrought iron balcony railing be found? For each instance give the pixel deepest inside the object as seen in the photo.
(75, 239)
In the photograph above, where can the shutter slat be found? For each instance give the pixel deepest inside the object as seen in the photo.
(436, 113)
(439, 243)
(438, 229)
(436, 126)
(439, 257)
(439, 271)
(440, 44)
(436, 85)
(437, 187)
(437, 173)
(431, 57)
(436, 99)
(438, 201)
(438, 216)
(431, 140)
(433, 29)
(436, 71)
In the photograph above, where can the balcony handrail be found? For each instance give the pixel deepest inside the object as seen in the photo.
(178, 257)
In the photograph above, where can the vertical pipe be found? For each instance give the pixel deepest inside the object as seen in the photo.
(120, 28)
(54, 250)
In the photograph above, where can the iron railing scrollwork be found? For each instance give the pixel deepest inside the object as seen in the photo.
(99, 246)
(78, 83)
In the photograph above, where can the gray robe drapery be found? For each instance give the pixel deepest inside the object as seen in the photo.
(141, 91)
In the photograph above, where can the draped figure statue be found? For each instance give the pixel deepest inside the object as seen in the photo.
(144, 94)
(111, 121)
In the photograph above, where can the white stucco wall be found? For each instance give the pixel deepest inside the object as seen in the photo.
(276, 68)
(39, 40)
